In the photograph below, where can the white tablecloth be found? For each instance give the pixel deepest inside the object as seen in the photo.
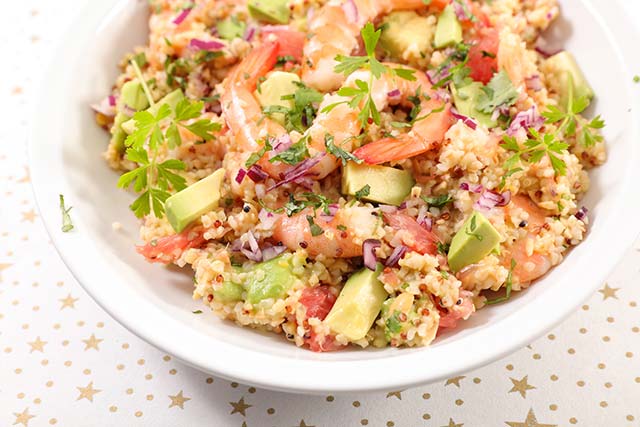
(63, 361)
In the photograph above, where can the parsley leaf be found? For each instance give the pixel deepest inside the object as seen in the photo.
(67, 225)
(341, 154)
(300, 117)
(438, 201)
(316, 201)
(255, 157)
(316, 230)
(499, 91)
(294, 154)
(536, 148)
(508, 286)
(393, 323)
(587, 134)
(363, 192)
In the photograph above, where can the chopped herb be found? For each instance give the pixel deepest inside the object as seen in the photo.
(486, 54)
(438, 201)
(255, 157)
(499, 91)
(470, 231)
(636, 79)
(444, 274)
(393, 323)
(535, 148)
(197, 312)
(140, 59)
(443, 248)
(342, 227)
(363, 192)
(67, 225)
(284, 59)
(203, 56)
(341, 154)
(316, 201)
(316, 230)
(508, 285)
(587, 134)
(300, 117)
(294, 154)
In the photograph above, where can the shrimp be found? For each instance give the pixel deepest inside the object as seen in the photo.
(168, 249)
(412, 234)
(242, 110)
(429, 129)
(334, 31)
(342, 235)
(449, 319)
(529, 265)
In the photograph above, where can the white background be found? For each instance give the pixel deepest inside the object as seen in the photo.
(64, 362)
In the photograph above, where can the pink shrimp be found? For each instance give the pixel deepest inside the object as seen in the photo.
(334, 31)
(413, 235)
(427, 132)
(168, 249)
(449, 319)
(342, 236)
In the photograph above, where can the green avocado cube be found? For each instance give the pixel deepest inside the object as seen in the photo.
(568, 78)
(117, 134)
(475, 240)
(172, 99)
(270, 279)
(132, 95)
(187, 205)
(228, 292)
(466, 100)
(358, 304)
(406, 33)
(277, 85)
(270, 11)
(448, 29)
(385, 184)
(231, 28)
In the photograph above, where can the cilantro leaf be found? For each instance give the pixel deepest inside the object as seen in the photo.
(294, 154)
(438, 201)
(499, 91)
(316, 230)
(363, 192)
(67, 224)
(341, 154)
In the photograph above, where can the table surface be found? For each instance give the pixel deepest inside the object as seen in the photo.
(64, 361)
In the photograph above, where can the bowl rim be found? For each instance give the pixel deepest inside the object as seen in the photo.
(289, 374)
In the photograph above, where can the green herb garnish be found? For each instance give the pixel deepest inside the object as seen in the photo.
(363, 192)
(568, 123)
(316, 230)
(438, 201)
(294, 154)
(67, 225)
(535, 148)
(499, 91)
(341, 154)
(300, 117)
(508, 285)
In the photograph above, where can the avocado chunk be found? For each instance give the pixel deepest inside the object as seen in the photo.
(270, 279)
(474, 241)
(567, 77)
(448, 29)
(117, 134)
(231, 28)
(466, 100)
(172, 99)
(277, 85)
(187, 205)
(132, 95)
(358, 304)
(386, 184)
(406, 35)
(270, 11)
(228, 292)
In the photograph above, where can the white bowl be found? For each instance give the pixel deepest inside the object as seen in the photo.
(155, 303)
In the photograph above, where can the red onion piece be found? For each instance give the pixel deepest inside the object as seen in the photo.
(112, 100)
(182, 16)
(105, 107)
(299, 171)
(534, 83)
(396, 256)
(394, 93)
(461, 14)
(210, 45)
(388, 209)
(369, 247)
(466, 120)
(351, 11)
(249, 34)
(267, 219)
(240, 176)
(271, 252)
(582, 213)
(529, 119)
(257, 174)
(543, 48)
(474, 188)
(490, 199)
(280, 144)
(333, 210)
(253, 252)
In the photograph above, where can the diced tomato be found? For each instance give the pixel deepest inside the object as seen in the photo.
(318, 301)
(483, 54)
(291, 41)
(168, 249)
(438, 5)
(416, 237)
(319, 346)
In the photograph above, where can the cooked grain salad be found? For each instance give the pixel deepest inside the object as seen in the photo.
(354, 172)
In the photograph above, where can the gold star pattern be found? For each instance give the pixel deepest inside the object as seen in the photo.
(453, 423)
(608, 292)
(455, 380)
(69, 301)
(23, 417)
(3, 267)
(303, 424)
(29, 216)
(530, 421)
(521, 386)
(37, 345)
(397, 394)
(178, 400)
(87, 392)
(239, 407)
(92, 342)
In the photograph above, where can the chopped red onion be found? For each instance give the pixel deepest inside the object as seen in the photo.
(333, 210)
(280, 144)
(240, 176)
(427, 223)
(351, 11)
(105, 107)
(394, 93)
(442, 95)
(182, 16)
(210, 45)
(369, 247)
(271, 252)
(112, 100)
(388, 209)
(267, 219)
(249, 34)
(461, 14)
(253, 252)
(529, 119)
(490, 199)
(476, 188)
(534, 83)
(300, 170)
(257, 174)
(543, 48)
(582, 213)
(466, 120)
(396, 256)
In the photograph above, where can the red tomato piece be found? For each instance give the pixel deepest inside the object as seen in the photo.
(483, 54)
(318, 301)
(168, 249)
(291, 41)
